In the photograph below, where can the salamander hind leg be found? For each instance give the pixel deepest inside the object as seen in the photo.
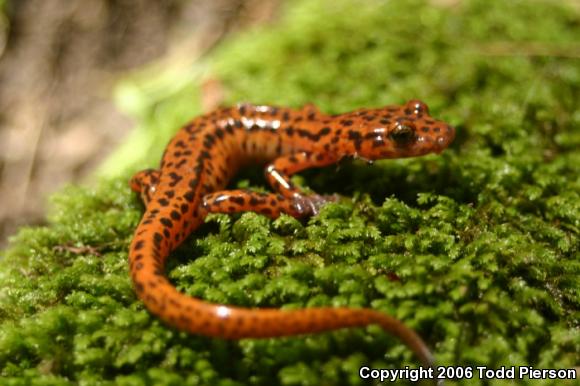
(145, 183)
(268, 204)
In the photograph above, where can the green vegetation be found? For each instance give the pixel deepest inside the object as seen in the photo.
(477, 249)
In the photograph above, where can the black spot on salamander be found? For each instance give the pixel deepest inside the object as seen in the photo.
(290, 131)
(436, 129)
(166, 233)
(189, 196)
(169, 193)
(174, 303)
(157, 238)
(219, 133)
(180, 144)
(186, 152)
(175, 178)
(163, 202)
(138, 245)
(237, 200)
(408, 111)
(208, 141)
(293, 159)
(384, 121)
(229, 128)
(177, 154)
(286, 116)
(302, 133)
(238, 124)
(242, 109)
(429, 121)
(311, 116)
(346, 122)
(324, 131)
(181, 163)
(425, 129)
(369, 118)
(319, 157)
(356, 137)
(175, 214)
(257, 201)
(138, 257)
(273, 111)
(139, 287)
(203, 155)
(166, 222)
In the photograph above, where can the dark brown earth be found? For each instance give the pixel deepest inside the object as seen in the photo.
(59, 62)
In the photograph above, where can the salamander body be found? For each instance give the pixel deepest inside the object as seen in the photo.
(206, 153)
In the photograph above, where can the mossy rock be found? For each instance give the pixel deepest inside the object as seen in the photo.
(476, 249)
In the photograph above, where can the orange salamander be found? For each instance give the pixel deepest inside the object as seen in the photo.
(204, 155)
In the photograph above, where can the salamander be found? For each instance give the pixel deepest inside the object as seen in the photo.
(205, 154)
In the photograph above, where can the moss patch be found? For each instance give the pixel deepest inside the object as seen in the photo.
(477, 249)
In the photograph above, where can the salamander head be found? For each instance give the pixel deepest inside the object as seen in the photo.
(401, 131)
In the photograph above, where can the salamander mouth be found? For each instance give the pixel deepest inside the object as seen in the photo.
(426, 144)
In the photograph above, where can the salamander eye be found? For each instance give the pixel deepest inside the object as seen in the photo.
(403, 134)
(417, 107)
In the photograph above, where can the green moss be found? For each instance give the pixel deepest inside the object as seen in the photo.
(477, 249)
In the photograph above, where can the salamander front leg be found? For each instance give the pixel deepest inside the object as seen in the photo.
(145, 183)
(278, 175)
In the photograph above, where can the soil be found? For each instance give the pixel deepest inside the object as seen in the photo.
(59, 62)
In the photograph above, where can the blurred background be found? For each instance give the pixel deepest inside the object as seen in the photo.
(59, 62)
